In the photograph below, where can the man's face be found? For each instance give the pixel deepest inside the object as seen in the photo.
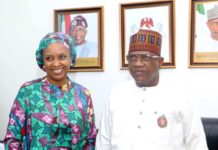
(78, 33)
(144, 68)
(213, 27)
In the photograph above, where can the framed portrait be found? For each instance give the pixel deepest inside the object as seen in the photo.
(84, 25)
(157, 16)
(203, 51)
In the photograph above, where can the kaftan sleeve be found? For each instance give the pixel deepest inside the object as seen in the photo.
(16, 129)
(103, 140)
(193, 129)
(91, 130)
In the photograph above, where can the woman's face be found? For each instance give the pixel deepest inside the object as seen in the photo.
(56, 63)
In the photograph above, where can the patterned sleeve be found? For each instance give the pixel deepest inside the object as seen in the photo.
(91, 128)
(16, 129)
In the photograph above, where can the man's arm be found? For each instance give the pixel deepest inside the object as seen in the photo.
(193, 129)
(103, 141)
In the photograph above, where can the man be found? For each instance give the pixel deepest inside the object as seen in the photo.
(209, 43)
(212, 22)
(143, 115)
(78, 30)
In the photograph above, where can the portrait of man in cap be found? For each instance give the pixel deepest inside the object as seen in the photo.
(207, 39)
(134, 18)
(79, 30)
(85, 28)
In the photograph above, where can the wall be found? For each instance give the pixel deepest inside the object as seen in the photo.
(25, 22)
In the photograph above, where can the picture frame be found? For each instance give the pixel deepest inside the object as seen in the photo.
(203, 49)
(162, 15)
(85, 25)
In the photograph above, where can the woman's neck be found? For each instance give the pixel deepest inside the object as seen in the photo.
(60, 83)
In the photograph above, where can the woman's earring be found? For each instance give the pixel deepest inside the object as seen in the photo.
(71, 65)
(43, 67)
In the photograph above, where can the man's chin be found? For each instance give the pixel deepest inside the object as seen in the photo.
(140, 83)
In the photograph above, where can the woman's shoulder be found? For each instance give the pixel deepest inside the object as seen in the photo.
(31, 83)
(29, 87)
(79, 87)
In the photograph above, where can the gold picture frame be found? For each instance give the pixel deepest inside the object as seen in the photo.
(203, 49)
(160, 11)
(90, 51)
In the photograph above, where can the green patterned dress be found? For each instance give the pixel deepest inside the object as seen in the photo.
(47, 117)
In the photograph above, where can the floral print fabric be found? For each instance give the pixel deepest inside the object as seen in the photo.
(45, 116)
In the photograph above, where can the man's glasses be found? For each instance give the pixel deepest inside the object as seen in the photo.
(144, 58)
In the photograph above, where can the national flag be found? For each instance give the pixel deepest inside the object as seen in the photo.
(65, 23)
(200, 8)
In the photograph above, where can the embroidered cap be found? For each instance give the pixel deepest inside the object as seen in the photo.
(146, 40)
(212, 13)
(79, 21)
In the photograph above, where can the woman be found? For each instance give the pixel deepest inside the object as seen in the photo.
(52, 112)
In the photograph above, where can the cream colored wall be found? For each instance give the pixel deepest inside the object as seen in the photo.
(23, 23)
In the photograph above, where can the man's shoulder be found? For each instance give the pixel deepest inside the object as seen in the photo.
(119, 94)
(124, 86)
(90, 44)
